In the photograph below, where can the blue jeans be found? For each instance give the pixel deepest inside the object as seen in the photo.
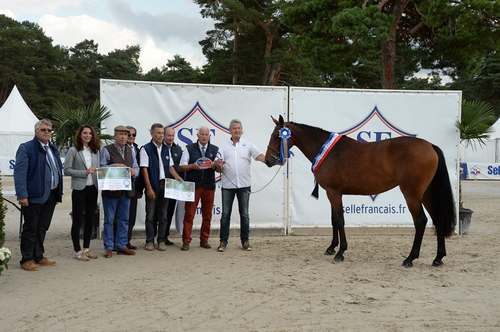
(243, 196)
(118, 207)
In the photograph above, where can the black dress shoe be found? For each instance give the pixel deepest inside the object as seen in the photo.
(168, 242)
(131, 246)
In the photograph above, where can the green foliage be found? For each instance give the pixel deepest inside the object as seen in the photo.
(330, 43)
(477, 118)
(176, 70)
(28, 59)
(68, 120)
(483, 80)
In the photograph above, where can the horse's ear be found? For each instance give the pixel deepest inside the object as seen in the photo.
(281, 121)
(274, 120)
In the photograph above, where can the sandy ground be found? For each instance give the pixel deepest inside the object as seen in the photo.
(284, 284)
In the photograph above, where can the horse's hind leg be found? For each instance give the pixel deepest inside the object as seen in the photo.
(441, 251)
(335, 239)
(420, 221)
(441, 248)
(337, 224)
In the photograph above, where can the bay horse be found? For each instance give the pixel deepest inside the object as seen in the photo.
(359, 168)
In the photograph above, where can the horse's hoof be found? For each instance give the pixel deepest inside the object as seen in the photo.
(407, 263)
(437, 262)
(330, 251)
(339, 258)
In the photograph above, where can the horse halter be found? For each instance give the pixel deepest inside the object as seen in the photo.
(284, 135)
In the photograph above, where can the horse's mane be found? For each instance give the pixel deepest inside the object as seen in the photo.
(314, 132)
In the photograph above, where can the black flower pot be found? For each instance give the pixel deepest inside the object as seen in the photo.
(465, 218)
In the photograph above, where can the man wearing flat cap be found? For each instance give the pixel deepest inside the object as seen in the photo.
(116, 203)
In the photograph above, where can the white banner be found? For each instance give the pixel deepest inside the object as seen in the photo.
(480, 171)
(186, 107)
(370, 115)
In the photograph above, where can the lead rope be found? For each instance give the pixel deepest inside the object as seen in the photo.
(256, 191)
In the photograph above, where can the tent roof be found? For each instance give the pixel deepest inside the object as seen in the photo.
(15, 115)
(495, 130)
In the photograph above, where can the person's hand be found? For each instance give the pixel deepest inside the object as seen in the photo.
(91, 170)
(150, 193)
(218, 165)
(23, 201)
(132, 172)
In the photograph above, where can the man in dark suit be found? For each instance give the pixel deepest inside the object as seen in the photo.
(137, 187)
(175, 153)
(39, 187)
(198, 163)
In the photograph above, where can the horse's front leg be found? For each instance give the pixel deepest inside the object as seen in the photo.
(339, 257)
(335, 238)
(338, 225)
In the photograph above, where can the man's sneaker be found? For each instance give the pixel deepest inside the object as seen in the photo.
(161, 247)
(168, 242)
(149, 246)
(222, 246)
(185, 246)
(246, 245)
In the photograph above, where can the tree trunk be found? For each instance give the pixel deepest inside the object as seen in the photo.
(388, 51)
(275, 75)
(388, 62)
(267, 56)
(235, 52)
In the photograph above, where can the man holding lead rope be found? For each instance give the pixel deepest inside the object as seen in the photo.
(237, 155)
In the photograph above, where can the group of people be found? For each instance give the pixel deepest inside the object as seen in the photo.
(38, 176)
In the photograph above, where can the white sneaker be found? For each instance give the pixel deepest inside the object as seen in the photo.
(89, 254)
(80, 255)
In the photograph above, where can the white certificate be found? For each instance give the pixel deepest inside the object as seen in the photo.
(114, 178)
(179, 190)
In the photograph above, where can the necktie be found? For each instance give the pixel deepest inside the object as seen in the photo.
(53, 168)
(203, 148)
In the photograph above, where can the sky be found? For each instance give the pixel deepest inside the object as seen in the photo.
(162, 28)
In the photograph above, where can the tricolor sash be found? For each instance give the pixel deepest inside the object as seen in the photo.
(324, 151)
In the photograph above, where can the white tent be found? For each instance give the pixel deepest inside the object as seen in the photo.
(488, 153)
(17, 124)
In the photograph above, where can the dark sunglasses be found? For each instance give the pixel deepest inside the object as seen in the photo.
(132, 135)
(46, 130)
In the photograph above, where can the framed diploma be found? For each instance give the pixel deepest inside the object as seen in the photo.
(114, 178)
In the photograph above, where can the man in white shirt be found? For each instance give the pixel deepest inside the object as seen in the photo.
(237, 155)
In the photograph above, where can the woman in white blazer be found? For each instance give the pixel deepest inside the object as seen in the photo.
(81, 163)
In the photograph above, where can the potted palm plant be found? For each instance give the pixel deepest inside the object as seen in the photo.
(68, 119)
(474, 127)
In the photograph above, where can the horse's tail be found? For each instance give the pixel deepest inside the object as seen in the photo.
(442, 204)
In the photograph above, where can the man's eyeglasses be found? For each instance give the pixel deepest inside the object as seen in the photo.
(132, 135)
(46, 130)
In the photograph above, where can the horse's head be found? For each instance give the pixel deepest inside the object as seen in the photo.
(273, 148)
